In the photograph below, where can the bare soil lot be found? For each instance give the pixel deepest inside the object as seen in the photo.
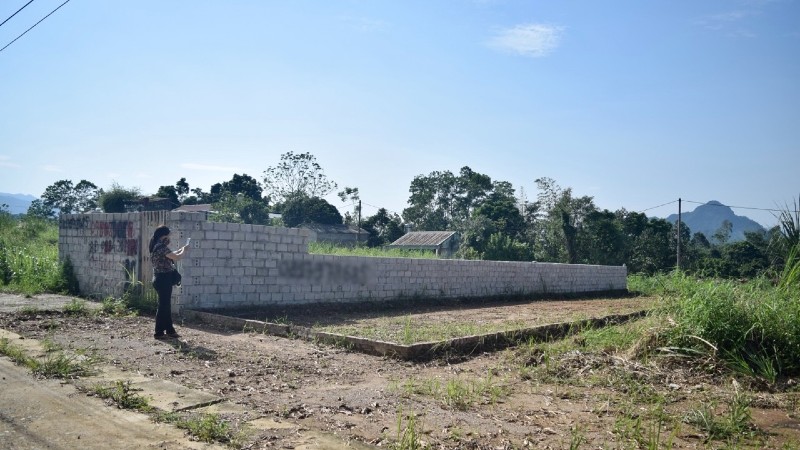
(569, 395)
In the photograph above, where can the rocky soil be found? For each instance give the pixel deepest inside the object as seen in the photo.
(522, 397)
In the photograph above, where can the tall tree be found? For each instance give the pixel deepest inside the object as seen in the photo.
(297, 174)
(654, 249)
(602, 240)
(723, 234)
(38, 209)
(384, 228)
(176, 194)
(182, 189)
(560, 218)
(431, 201)
(68, 199)
(350, 196)
(503, 217)
(443, 201)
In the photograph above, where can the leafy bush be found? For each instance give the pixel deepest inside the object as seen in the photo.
(68, 281)
(502, 248)
(5, 267)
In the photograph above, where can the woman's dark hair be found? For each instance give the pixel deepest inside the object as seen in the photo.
(160, 232)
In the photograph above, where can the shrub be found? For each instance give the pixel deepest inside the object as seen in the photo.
(67, 281)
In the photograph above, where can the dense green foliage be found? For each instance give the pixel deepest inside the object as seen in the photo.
(68, 199)
(29, 257)
(301, 209)
(383, 227)
(492, 220)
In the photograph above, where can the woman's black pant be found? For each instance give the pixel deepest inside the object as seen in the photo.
(163, 285)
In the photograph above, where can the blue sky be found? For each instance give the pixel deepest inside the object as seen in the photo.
(635, 103)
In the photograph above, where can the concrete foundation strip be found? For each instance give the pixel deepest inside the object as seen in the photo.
(421, 351)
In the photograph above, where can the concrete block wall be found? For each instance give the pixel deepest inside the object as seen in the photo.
(232, 265)
(237, 265)
(104, 250)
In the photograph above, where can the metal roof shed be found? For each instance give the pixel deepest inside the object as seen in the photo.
(444, 243)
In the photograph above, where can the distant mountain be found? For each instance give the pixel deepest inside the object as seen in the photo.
(17, 203)
(708, 218)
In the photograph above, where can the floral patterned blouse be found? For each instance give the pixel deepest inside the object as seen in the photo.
(161, 264)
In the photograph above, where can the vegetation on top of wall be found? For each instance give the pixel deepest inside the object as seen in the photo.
(326, 248)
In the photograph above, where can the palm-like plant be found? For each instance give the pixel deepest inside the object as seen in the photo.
(790, 232)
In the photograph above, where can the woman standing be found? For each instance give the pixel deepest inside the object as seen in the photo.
(163, 260)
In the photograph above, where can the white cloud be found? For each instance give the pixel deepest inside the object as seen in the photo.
(5, 161)
(210, 168)
(722, 20)
(730, 23)
(534, 40)
(363, 24)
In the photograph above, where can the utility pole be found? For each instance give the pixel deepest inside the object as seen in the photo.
(358, 231)
(679, 234)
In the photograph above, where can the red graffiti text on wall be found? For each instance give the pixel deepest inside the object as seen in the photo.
(120, 238)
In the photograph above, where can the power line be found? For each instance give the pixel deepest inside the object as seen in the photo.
(737, 207)
(37, 23)
(380, 207)
(9, 17)
(641, 211)
(659, 206)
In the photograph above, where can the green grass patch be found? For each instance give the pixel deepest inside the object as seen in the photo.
(753, 325)
(16, 354)
(457, 393)
(410, 431)
(123, 395)
(53, 365)
(76, 307)
(207, 428)
(407, 330)
(732, 424)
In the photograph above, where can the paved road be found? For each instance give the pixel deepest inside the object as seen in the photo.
(51, 414)
(48, 414)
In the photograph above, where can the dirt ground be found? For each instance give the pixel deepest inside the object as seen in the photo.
(515, 398)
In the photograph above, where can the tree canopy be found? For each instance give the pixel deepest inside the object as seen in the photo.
(300, 209)
(296, 174)
(558, 226)
(68, 199)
